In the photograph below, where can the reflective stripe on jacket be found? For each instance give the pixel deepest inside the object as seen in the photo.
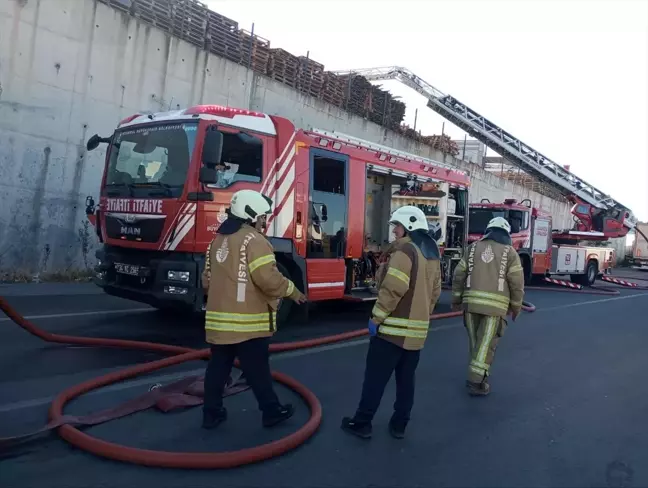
(243, 287)
(489, 279)
(407, 294)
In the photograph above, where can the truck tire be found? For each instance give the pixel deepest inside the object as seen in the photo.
(286, 305)
(587, 279)
(528, 271)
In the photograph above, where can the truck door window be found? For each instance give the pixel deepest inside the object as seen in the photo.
(519, 218)
(328, 207)
(242, 159)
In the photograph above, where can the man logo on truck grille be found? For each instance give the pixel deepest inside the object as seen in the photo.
(130, 231)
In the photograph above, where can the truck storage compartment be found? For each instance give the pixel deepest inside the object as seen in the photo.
(387, 193)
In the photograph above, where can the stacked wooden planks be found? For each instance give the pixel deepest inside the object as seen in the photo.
(122, 5)
(255, 51)
(442, 143)
(222, 37)
(358, 94)
(397, 113)
(283, 67)
(193, 22)
(384, 109)
(333, 89)
(190, 21)
(310, 76)
(157, 13)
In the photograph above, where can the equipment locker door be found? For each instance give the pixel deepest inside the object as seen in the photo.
(327, 224)
(541, 246)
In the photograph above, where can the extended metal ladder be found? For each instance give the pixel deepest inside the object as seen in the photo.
(522, 155)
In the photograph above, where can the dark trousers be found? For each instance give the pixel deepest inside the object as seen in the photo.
(383, 358)
(255, 363)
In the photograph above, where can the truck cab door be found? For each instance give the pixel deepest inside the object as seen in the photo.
(244, 157)
(327, 226)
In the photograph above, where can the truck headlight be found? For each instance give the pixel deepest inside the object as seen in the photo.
(178, 276)
(175, 290)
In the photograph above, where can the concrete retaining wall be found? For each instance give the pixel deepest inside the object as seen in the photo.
(72, 68)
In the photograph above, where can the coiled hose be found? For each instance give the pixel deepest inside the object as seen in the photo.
(187, 460)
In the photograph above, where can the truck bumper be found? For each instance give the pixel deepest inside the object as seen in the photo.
(144, 277)
(639, 263)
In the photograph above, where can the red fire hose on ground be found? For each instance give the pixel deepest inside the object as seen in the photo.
(177, 396)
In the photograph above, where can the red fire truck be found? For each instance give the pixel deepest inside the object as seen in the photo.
(169, 177)
(543, 250)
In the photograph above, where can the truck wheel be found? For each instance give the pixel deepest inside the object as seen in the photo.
(587, 279)
(286, 305)
(528, 272)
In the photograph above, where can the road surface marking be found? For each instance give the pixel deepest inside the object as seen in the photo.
(38, 402)
(590, 302)
(164, 378)
(81, 314)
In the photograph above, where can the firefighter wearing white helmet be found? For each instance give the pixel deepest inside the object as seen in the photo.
(488, 284)
(243, 287)
(407, 293)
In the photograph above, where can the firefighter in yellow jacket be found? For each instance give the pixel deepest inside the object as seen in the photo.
(243, 288)
(407, 294)
(488, 284)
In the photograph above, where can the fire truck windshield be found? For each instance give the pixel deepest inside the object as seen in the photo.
(479, 218)
(150, 160)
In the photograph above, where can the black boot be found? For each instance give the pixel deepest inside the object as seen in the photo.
(359, 429)
(478, 389)
(397, 428)
(282, 413)
(213, 418)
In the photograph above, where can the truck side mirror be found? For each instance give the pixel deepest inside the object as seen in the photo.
(515, 227)
(94, 141)
(212, 148)
(208, 176)
(90, 205)
(324, 213)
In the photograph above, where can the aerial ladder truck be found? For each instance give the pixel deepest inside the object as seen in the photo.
(597, 216)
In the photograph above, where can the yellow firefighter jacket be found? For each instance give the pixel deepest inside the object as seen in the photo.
(408, 292)
(243, 287)
(489, 279)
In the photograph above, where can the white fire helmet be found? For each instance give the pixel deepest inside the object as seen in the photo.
(249, 205)
(410, 217)
(499, 223)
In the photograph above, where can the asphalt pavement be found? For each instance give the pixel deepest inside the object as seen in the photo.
(568, 407)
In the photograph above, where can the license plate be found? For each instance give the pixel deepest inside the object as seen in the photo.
(127, 269)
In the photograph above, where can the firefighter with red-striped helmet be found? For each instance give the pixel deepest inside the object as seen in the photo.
(243, 288)
(488, 284)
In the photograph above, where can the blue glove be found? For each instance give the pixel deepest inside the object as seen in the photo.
(373, 328)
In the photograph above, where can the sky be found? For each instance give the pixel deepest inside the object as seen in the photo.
(567, 77)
